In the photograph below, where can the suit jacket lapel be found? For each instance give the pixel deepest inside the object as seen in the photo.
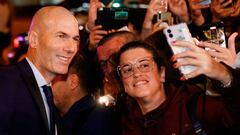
(28, 77)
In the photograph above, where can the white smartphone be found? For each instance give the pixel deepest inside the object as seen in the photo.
(179, 32)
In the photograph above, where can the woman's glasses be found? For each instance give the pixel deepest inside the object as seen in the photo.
(143, 65)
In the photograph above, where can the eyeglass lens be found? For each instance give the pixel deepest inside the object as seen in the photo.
(143, 65)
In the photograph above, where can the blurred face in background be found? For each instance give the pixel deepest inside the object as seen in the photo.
(106, 53)
(61, 90)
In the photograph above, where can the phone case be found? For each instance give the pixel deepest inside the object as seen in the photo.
(182, 33)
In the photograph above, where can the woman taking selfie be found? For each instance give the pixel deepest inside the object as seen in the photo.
(155, 106)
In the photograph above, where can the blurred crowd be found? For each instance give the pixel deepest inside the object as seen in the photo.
(125, 79)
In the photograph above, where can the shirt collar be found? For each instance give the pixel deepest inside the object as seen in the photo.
(39, 78)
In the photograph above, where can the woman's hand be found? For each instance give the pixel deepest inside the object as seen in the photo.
(203, 62)
(226, 55)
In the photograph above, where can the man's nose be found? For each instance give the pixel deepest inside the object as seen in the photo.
(71, 46)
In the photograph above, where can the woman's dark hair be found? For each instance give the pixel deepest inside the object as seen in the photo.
(140, 44)
(158, 39)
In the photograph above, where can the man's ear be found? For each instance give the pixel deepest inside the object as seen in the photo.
(74, 81)
(33, 39)
(162, 74)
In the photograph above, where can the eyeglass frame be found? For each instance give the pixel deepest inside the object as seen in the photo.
(110, 60)
(150, 59)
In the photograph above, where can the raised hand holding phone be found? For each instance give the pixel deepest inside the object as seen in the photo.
(199, 58)
(92, 13)
(179, 32)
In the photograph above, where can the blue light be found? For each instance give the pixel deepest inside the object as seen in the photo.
(20, 38)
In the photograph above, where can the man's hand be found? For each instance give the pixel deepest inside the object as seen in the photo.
(92, 13)
(179, 8)
(95, 36)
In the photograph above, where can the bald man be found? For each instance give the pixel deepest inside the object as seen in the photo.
(53, 42)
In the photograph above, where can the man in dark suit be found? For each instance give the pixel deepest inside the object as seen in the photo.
(53, 42)
(75, 101)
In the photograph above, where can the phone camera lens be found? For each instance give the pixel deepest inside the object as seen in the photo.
(169, 31)
(170, 35)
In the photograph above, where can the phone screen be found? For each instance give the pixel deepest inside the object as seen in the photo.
(215, 34)
(165, 17)
(111, 18)
(121, 15)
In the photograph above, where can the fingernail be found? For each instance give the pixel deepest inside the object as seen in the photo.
(175, 65)
(173, 42)
(173, 58)
(182, 78)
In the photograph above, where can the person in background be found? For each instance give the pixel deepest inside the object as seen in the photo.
(227, 11)
(97, 32)
(106, 53)
(5, 28)
(95, 36)
(156, 106)
(92, 14)
(19, 49)
(25, 92)
(178, 9)
(74, 99)
(222, 9)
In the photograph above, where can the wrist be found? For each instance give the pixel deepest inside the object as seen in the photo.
(147, 25)
(187, 20)
(226, 85)
(215, 19)
(145, 33)
(227, 80)
(88, 27)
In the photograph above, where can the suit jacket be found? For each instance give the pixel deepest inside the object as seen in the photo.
(85, 117)
(22, 110)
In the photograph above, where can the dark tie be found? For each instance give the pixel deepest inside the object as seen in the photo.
(48, 93)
